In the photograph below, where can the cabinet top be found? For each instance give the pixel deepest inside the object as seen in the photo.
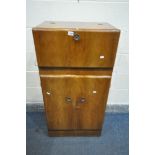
(81, 26)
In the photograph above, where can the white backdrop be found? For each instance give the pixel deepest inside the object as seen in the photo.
(113, 11)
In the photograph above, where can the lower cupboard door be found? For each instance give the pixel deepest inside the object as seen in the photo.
(91, 98)
(75, 102)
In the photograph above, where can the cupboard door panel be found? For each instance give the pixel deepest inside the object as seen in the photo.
(75, 101)
(58, 103)
(58, 49)
(91, 102)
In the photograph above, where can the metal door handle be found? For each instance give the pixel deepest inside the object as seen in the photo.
(82, 100)
(68, 100)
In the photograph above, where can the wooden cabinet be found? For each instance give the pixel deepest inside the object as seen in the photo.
(75, 65)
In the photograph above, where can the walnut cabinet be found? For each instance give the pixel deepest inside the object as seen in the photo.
(75, 61)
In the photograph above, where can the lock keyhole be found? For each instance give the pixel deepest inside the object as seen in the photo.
(76, 37)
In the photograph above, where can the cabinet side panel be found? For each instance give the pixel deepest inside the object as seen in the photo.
(36, 39)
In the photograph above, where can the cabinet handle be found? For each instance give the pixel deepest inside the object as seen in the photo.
(82, 100)
(68, 100)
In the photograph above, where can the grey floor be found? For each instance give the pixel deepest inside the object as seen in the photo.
(114, 139)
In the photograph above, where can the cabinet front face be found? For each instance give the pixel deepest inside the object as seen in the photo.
(84, 49)
(75, 101)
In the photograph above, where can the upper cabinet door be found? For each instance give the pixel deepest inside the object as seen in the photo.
(60, 48)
